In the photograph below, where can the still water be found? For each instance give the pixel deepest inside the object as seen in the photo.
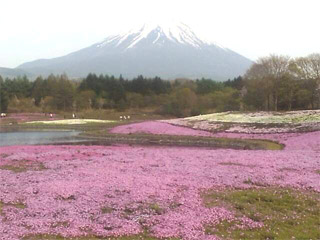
(37, 137)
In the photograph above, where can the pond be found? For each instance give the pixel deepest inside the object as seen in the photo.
(38, 137)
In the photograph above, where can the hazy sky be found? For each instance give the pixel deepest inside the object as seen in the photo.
(33, 29)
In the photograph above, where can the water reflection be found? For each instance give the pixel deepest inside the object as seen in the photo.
(37, 137)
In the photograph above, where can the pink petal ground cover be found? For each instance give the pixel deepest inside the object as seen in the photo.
(157, 127)
(120, 190)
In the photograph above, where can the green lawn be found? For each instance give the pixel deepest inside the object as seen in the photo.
(285, 213)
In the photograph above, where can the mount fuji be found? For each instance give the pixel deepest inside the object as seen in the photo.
(154, 50)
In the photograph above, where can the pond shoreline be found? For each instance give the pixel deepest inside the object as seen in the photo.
(38, 137)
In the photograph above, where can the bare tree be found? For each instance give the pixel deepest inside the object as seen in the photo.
(270, 70)
(315, 65)
(308, 69)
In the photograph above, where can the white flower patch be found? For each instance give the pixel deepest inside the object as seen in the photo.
(253, 122)
(308, 116)
(70, 121)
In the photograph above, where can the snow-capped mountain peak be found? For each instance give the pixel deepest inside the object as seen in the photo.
(178, 33)
(166, 50)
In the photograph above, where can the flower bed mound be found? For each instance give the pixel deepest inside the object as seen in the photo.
(257, 122)
(307, 116)
(156, 127)
(304, 140)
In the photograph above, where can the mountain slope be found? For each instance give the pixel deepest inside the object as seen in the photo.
(11, 72)
(168, 52)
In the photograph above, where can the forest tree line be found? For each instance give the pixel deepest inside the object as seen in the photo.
(272, 83)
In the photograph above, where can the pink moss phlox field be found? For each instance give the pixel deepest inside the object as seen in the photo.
(120, 190)
(157, 127)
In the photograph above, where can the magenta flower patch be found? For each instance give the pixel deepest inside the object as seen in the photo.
(122, 190)
(156, 127)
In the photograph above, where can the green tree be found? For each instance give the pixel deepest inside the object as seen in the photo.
(180, 103)
(4, 100)
(302, 97)
(286, 88)
(307, 69)
(227, 99)
(62, 93)
(39, 90)
(205, 86)
(256, 98)
(84, 99)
